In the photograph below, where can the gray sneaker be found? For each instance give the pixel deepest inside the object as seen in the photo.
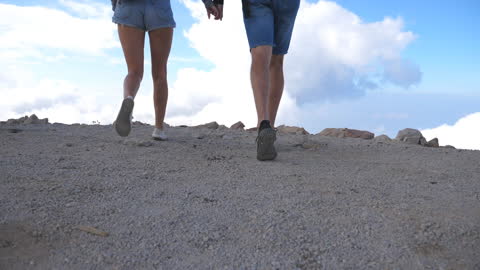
(123, 124)
(265, 143)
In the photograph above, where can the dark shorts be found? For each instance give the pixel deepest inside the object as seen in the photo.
(144, 14)
(270, 22)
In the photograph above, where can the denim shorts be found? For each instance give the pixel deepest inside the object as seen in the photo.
(270, 22)
(144, 14)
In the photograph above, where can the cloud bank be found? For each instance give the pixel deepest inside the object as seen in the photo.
(35, 37)
(463, 134)
(31, 31)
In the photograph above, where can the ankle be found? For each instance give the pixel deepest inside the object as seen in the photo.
(264, 124)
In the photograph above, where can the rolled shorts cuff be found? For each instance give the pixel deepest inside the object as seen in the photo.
(258, 44)
(279, 51)
(162, 26)
(118, 21)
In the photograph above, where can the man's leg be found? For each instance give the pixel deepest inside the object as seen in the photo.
(259, 75)
(276, 87)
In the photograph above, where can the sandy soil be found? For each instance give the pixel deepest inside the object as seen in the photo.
(202, 201)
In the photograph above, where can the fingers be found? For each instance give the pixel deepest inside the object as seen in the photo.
(216, 11)
(220, 12)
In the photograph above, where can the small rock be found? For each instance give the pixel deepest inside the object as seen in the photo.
(65, 145)
(141, 143)
(5, 243)
(292, 130)
(347, 133)
(13, 122)
(31, 120)
(43, 121)
(138, 123)
(227, 137)
(312, 145)
(449, 147)
(14, 130)
(382, 139)
(199, 135)
(252, 129)
(211, 125)
(70, 204)
(411, 136)
(144, 143)
(432, 143)
(92, 230)
(238, 125)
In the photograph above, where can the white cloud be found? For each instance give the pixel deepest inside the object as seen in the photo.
(87, 8)
(463, 134)
(59, 100)
(41, 36)
(402, 72)
(334, 54)
(31, 31)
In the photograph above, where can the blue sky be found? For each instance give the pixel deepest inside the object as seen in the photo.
(434, 81)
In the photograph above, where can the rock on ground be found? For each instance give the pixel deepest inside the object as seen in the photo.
(382, 139)
(292, 130)
(433, 143)
(347, 133)
(189, 203)
(238, 125)
(411, 136)
(26, 120)
(211, 125)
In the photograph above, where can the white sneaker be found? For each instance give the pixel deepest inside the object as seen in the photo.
(159, 134)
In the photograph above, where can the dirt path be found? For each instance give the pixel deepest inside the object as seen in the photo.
(207, 203)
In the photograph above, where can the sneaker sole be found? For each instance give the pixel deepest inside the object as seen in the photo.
(123, 124)
(160, 139)
(265, 148)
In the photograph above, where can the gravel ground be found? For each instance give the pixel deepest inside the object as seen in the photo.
(202, 201)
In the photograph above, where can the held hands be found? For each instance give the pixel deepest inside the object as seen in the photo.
(216, 11)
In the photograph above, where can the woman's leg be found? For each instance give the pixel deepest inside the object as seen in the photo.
(133, 41)
(160, 44)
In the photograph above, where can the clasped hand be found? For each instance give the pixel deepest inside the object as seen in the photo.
(216, 11)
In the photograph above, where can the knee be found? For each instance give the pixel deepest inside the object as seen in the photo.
(276, 63)
(261, 55)
(159, 75)
(136, 74)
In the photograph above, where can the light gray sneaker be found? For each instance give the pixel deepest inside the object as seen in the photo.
(159, 135)
(265, 148)
(123, 124)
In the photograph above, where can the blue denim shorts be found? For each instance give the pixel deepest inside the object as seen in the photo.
(144, 14)
(270, 22)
